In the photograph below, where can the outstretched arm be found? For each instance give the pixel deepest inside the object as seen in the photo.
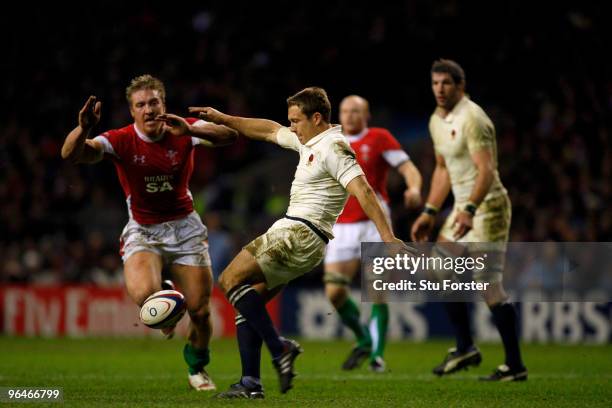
(77, 148)
(257, 129)
(212, 134)
(366, 196)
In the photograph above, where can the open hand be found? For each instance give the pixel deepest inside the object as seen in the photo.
(422, 227)
(412, 198)
(89, 115)
(462, 224)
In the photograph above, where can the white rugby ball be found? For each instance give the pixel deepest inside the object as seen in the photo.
(163, 309)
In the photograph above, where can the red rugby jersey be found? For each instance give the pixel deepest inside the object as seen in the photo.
(371, 149)
(154, 175)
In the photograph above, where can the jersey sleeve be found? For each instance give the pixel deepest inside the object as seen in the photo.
(480, 135)
(196, 141)
(392, 151)
(341, 164)
(111, 142)
(287, 139)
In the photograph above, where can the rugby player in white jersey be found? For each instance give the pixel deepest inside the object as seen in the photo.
(466, 163)
(326, 173)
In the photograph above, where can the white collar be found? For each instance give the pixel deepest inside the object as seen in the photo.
(451, 115)
(323, 134)
(144, 137)
(358, 136)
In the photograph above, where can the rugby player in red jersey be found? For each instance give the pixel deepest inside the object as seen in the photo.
(154, 161)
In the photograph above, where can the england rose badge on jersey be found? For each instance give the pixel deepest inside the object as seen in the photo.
(310, 159)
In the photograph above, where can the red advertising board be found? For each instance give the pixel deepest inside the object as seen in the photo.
(79, 311)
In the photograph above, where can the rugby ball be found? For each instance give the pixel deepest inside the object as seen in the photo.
(163, 309)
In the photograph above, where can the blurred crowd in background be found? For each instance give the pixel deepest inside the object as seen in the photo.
(541, 75)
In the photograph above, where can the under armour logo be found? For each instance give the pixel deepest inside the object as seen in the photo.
(171, 154)
(139, 159)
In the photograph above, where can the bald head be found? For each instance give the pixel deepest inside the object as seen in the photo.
(354, 114)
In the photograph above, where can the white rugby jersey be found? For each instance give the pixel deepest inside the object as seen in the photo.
(327, 164)
(465, 130)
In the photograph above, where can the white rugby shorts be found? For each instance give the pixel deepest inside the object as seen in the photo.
(286, 251)
(181, 241)
(348, 237)
(490, 224)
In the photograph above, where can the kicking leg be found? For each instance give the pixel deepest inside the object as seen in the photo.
(237, 282)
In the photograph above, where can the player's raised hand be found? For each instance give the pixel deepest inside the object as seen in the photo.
(208, 114)
(462, 224)
(89, 115)
(173, 124)
(422, 227)
(412, 198)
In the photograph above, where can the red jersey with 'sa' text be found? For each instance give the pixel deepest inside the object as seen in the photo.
(377, 150)
(154, 175)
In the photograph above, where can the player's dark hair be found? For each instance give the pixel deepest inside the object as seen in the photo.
(145, 81)
(311, 100)
(450, 67)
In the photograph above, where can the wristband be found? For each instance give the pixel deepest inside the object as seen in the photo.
(431, 210)
(470, 207)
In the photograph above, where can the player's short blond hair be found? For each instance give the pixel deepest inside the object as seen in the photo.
(145, 81)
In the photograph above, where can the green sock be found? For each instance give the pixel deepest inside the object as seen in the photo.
(195, 358)
(379, 322)
(349, 314)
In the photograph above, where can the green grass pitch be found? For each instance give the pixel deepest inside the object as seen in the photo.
(151, 372)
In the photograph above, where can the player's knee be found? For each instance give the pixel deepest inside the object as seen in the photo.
(336, 294)
(336, 287)
(495, 295)
(438, 273)
(140, 293)
(225, 281)
(199, 313)
(338, 297)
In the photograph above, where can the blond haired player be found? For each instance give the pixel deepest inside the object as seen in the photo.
(466, 163)
(154, 160)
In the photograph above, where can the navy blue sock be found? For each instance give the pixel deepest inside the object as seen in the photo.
(505, 319)
(460, 319)
(251, 306)
(249, 344)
